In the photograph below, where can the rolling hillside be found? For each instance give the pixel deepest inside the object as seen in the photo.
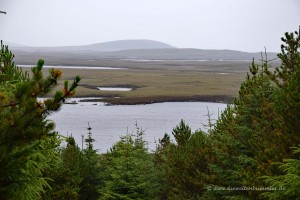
(118, 45)
(134, 50)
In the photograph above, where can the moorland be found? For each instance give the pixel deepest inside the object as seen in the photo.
(155, 75)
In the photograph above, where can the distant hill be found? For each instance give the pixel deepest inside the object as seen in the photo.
(133, 50)
(118, 45)
(121, 45)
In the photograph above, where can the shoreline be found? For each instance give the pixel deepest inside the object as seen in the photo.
(159, 99)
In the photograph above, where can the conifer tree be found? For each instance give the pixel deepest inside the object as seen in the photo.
(184, 163)
(130, 170)
(288, 184)
(66, 175)
(260, 127)
(90, 170)
(287, 105)
(27, 139)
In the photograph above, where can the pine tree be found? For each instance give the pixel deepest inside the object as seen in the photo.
(183, 164)
(287, 185)
(130, 172)
(260, 127)
(27, 139)
(90, 170)
(66, 174)
(287, 105)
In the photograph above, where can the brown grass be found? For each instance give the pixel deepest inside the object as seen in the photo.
(162, 81)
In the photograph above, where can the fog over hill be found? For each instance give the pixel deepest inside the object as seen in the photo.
(128, 45)
(134, 50)
(118, 45)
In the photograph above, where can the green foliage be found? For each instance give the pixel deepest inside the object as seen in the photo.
(182, 133)
(90, 170)
(184, 163)
(254, 132)
(130, 172)
(9, 73)
(27, 140)
(287, 105)
(66, 173)
(289, 57)
(259, 128)
(287, 185)
(77, 174)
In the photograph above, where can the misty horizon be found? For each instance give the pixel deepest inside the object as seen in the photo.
(22, 46)
(249, 26)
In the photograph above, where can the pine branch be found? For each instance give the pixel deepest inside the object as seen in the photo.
(12, 104)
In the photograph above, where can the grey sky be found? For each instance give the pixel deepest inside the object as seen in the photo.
(246, 25)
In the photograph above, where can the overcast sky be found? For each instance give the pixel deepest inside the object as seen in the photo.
(246, 25)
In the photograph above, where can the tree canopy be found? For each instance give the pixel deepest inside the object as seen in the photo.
(27, 139)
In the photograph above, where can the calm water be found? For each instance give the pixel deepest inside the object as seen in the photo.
(115, 89)
(110, 122)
